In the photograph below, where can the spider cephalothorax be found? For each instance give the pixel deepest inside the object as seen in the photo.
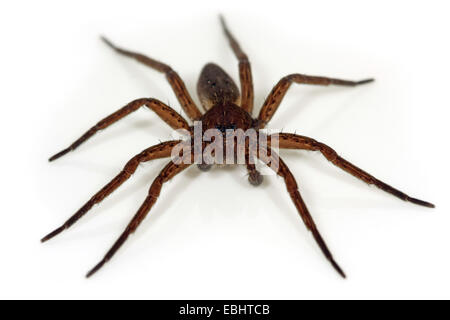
(227, 109)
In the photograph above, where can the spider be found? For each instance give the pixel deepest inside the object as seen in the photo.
(226, 107)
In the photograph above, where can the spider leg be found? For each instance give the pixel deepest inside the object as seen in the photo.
(166, 113)
(245, 71)
(161, 150)
(254, 176)
(293, 141)
(174, 79)
(166, 174)
(276, 163)
(278, 92)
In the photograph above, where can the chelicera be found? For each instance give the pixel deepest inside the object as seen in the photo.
(226, 108)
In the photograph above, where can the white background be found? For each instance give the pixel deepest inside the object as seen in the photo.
(213, 235)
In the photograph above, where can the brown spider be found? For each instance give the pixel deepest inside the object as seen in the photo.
(226, 109)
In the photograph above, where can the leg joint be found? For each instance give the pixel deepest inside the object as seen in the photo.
(131, 166)
(328, 152)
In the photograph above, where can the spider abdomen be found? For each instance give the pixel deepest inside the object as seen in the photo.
(216, 86)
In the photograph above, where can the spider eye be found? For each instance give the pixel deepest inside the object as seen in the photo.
(211, 83)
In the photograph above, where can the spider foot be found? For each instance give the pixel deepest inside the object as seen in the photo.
(96, 268)
(108, 42)
(59, 154)
(337, 268)
(365, 81)
(421, 202)
(53, 233)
